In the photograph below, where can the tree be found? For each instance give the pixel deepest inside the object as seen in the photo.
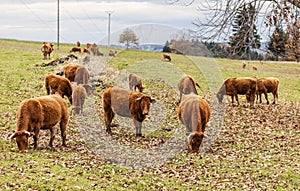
(166, 48)
(128, 37)
(277, 43)
(245, 34)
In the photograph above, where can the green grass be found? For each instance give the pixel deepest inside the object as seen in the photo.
(258, 149)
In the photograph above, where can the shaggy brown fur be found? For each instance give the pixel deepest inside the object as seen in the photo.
(78, 44)
(81, 75)
(85, 50)
(70, 71)
(194, 113)
(40, 113)
(167, 57)
(58, 84)
(125, 103)
(186, 85)
(135, 82)
(234, 86)
(79, 95)
(267, 85)
(46, 49)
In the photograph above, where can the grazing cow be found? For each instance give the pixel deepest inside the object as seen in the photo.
(234, 86)
(135, 82)
(254, 68)
(244, 64)
(85, 50)
(167, 57)
(112, 53)
(95, 50)
(46, 49)
(76, 49)
(78, 44)
(70, 71)
(81, 75)
(78, 96)
(267, 85)
(194, 114)
(37, 114)
(125, 103)
(186, 85)
(58, 84)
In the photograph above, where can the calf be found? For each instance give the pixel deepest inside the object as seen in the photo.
(78, 96)
(58, 84)
(125, 103)
(234, 86)
(186, 85)
(135, 82)
(267, 85)
(37, 114)
(46, 49)
(194, 113)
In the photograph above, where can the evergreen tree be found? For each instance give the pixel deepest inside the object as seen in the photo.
(277, 43)
(166, 48)
(245, 34)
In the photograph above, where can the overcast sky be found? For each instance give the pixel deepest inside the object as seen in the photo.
(87, 21)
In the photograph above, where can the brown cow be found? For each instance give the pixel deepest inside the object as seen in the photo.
(234, 86)
(37, 114)
(267, 85)
(76, 49)
(81, 75)
(194, 113)
(186, 85)
(58, 84)
(78, 44)
(78, 96)
(70, 71)
(46, 49)
(135, 82)
(244, 64)
(112, 53)
(254, 68)
(167, 57)
(125, 103)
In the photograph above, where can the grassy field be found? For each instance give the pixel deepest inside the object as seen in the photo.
(255, 149)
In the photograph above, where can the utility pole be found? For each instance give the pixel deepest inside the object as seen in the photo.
(108, 38)
(57, 24)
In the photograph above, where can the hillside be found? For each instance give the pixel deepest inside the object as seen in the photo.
(245, 148)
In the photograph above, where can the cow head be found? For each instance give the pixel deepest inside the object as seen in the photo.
(194, 141)
(22, 139)
(220, 96)
(144, 103)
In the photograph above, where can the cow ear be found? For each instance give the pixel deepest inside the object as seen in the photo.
(152, 100)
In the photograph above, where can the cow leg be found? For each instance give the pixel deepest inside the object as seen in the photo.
(63, 129)
(274, 97)
(266, 96)
(51, 137)
(260, 98)
(180, 97)
(138, 128)
(109, 115)
(36, 137)
(237, 99)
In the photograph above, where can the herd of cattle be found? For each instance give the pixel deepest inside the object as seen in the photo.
(194, 112)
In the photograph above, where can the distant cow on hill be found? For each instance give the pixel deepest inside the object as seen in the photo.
(186, 85)
(167, 57)
(267, 85)
(76, 49)
(234, 86)
(126, 103)
(58, 84)
(194, 113)
(37, 114)
(46, 49)
(135, 82)
(112, 53)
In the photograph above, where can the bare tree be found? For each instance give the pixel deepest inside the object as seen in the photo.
(219, 16)
(128, 37)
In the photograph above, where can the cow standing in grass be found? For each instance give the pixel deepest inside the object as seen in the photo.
(46, 49)
(187, 85)
(267, 85)
(126, 103)
(37, 114)
(234, 86)
(135, 82)
(194, 114)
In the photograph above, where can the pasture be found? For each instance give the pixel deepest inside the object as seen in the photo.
(252, 148)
